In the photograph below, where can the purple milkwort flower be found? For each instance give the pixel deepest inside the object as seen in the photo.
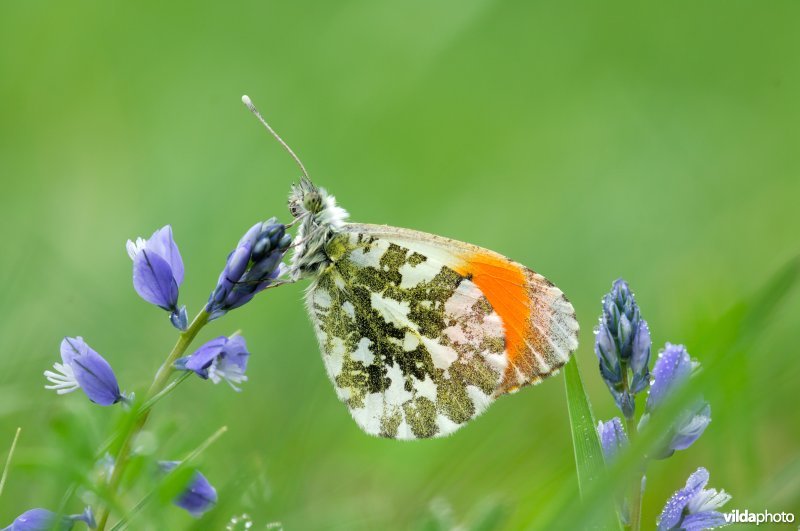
(690, 427)
(693, 508)
(220, 359)
(84, 368)
(158, 272)
(672, 369)
(44, 520)
(254, 265)
(612, 437)
(198, 497)
(622, 342)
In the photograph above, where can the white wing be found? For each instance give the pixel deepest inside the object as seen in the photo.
(409, 338)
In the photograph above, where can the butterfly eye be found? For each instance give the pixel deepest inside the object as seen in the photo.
(312, 202)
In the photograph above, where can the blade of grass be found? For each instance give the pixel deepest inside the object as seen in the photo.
(8, 460)
(589, 461)
(588, 453)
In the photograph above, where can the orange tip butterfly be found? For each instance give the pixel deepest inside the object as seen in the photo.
(420, 333)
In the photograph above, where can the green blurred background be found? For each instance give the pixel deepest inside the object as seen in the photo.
(655, 141)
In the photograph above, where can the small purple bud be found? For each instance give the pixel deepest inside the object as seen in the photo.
(220, 359)
(179, 319)
(44, 520)
(690, 427)
(251, 267)
(673, 367)
(640, 358)
(84, 368)
(606, 352)
(624, 336)
(625, 402)
(693, 508)
(198, 497)
(157, 269)
(612, 437)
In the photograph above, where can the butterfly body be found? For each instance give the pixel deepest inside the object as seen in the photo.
(420, 333)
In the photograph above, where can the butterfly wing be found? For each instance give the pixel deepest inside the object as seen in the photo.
(420, 333)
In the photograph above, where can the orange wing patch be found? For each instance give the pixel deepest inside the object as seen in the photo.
(520, 298)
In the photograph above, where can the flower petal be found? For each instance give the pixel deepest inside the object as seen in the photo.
(44, 520)
(201, 359)
(163, 244)
(706, 520)
(612, 437)
(673, 510)
(640, 358)
(250, 236)
(691, 428)
(199, 497)
(154, 281)
(236, 353)
(672, 368)
(708, 500)
(91, 371)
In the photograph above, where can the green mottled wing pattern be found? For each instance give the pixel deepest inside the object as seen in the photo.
(413, 348)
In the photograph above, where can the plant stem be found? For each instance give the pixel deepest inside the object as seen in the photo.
(142, 413)
(635, 521)
(8, 461)
(635, 517)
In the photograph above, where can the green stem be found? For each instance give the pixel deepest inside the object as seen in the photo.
(8, 461)
(160, 385)
(635, 521)
(636, 489)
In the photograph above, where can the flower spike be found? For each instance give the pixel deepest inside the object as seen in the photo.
(253, 266)
(622, 343)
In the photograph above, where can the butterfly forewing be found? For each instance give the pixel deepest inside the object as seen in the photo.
(420, 333)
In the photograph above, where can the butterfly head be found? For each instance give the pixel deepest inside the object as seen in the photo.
(315, 206)
(320, 219)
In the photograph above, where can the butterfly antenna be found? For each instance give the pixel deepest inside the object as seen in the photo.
(249, 103)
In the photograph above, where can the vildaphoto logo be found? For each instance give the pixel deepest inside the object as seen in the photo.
(764, 517)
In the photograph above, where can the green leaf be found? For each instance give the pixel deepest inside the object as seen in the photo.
(589, 461)
(588, 453)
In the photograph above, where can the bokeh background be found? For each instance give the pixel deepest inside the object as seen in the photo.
(654, 141)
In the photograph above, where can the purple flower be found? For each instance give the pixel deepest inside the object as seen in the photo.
(158, 272)
(612, 437)
(692, 508)
(622, 343)
(84, 368)
(220, 359)
(198, 497)
(690, 427)
(254, 265)
(672, 369)
(44, 520)
(640, 358)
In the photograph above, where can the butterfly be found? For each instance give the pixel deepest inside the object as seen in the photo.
(420, 333)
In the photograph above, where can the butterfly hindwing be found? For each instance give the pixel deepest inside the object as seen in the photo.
(420, 333)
